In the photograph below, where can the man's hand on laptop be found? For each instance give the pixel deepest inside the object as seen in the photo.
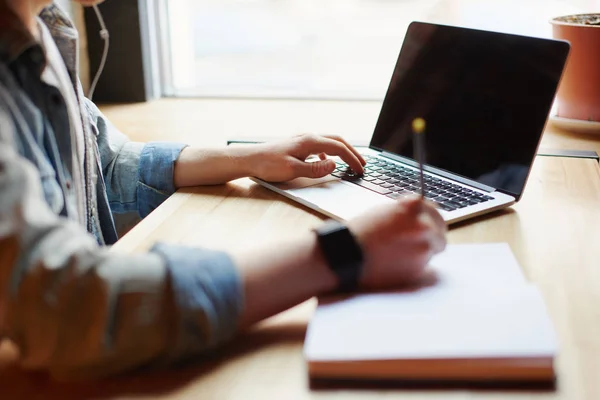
(276, 161)
(398, 240)
(283, 160)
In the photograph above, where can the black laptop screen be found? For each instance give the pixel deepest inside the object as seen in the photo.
(485, 97)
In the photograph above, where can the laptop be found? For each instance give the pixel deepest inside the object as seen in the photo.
(485, 97)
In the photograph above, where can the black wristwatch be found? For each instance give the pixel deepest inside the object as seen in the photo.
(342, 253)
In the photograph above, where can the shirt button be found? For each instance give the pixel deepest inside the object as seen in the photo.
(68, 185)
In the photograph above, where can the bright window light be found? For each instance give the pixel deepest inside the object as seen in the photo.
(315, 49)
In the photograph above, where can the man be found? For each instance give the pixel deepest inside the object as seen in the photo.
(78, 310)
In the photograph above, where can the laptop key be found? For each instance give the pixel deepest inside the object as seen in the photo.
(482, 198)
(447, 207)
(453, 204)
(453, 197)
(395, 195)
(439, 199)
(477, 200)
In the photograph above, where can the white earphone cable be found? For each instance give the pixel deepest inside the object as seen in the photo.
(104, 35)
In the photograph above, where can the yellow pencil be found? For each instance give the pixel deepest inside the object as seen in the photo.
(418, 127)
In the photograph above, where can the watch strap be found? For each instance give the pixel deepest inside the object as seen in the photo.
(342, 252)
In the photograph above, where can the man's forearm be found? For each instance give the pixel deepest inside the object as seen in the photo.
(196, 166)
(283, 277)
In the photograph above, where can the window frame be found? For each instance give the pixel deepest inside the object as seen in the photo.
(132, 72)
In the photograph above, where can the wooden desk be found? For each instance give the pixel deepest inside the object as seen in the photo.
(554, 232)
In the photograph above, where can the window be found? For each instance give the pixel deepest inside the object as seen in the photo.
(318, 49)
(286, 48)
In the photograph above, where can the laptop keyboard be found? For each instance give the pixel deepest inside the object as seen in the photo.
(395, 181)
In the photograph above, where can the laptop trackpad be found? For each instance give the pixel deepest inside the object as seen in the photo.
(303, 182)
(343, 200)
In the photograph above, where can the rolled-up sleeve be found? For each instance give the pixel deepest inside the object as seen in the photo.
(138, 176)
(80, 310)
(208, 293)
(155, 174)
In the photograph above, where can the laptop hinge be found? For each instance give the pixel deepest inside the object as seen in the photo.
(440, 172)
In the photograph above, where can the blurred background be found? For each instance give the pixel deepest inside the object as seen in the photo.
(279, 49)
(318, 49)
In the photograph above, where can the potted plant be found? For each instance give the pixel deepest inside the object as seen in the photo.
(578, 96)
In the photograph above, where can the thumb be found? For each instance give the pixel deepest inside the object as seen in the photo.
(314, 169)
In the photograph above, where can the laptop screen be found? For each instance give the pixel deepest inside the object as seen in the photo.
(485, 97)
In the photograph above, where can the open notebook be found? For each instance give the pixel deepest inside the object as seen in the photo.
(480, 321)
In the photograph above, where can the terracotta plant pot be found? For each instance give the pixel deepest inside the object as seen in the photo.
(579, 92)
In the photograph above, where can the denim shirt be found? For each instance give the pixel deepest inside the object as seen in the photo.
(69, 304)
